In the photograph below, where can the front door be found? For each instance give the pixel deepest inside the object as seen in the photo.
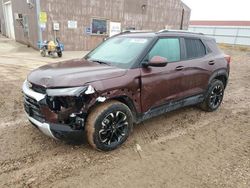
(162, 84)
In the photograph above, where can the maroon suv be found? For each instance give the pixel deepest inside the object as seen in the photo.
(127, 79)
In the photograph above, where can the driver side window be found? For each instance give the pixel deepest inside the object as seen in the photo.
(168, 48)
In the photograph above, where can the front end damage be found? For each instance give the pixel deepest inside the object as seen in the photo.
(58, 113)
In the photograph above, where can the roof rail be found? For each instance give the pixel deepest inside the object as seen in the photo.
(179, 31)
(137, 31)
(129, 32)
(133, 31)
(121, 33)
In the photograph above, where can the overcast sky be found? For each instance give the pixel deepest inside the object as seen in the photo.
(219, 9)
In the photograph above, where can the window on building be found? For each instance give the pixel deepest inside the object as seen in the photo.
(99, 27)
(195, 48)
(168, 48)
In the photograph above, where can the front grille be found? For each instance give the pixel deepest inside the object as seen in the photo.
(32, 108)
(38, 89)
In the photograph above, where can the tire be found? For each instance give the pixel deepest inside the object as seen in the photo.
(103, 131)
(214, 96)
(43, 52)
(59, 53)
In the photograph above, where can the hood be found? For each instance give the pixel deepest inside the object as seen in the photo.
(72, 73)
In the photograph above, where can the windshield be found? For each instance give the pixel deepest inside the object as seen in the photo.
(119, 51)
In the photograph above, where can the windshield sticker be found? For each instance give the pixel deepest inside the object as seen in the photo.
(138, 41)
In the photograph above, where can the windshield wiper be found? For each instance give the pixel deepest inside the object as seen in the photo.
(99, 61)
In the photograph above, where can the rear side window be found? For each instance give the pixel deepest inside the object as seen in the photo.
(168, 48)
(194, 48)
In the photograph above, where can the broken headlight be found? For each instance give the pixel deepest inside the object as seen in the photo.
(74, 91)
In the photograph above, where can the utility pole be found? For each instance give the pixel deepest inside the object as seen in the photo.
(38, 10)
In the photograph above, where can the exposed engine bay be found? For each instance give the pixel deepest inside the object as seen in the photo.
(69, 110)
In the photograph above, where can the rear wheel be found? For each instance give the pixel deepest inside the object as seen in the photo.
(109, 125)
(214, 96)
(59, 53)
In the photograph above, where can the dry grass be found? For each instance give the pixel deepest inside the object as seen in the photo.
(241, 48)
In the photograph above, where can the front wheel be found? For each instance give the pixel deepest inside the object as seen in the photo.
(214, 96)
(108, 125)
(43, 52)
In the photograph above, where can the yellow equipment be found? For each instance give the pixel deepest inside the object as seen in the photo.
(51, 46)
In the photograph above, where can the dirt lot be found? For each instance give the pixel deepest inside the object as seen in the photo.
(185, 148)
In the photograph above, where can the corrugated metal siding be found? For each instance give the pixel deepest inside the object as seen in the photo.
(225, 34)
(63, 10)
(20, 6)
(158, 14)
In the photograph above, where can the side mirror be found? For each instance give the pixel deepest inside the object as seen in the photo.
(157, 61)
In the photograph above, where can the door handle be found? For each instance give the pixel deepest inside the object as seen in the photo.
(211, 62)
(179, 68)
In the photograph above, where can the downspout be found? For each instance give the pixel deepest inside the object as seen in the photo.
(182, 19)
(38, 10)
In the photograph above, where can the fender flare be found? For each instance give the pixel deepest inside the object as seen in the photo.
(220, 72)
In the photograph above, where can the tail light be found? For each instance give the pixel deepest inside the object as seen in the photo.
(228, 58)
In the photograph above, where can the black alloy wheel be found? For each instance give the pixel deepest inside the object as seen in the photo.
(109, 125)
(214, 96)
(114, 128)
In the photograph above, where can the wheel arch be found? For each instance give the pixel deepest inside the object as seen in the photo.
(128, 102)
(221, 75)
(123, 99)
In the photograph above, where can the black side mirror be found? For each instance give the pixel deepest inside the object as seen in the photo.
(157, 61)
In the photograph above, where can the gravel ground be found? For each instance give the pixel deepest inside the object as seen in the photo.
(184, 148)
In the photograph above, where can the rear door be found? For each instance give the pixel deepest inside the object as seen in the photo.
(197, 66)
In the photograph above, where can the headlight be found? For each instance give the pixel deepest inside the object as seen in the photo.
(75, 91)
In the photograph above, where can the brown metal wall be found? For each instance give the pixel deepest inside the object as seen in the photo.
(158, 14)
(187, 15)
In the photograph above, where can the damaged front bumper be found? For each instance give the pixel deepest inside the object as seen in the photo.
(57, 131)
(35, 113)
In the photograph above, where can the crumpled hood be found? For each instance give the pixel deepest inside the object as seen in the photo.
(72, 73)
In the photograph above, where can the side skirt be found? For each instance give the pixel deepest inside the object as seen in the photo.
(171, 106)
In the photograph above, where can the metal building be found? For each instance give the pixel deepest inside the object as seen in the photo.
(82, 24)
(228, 32)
